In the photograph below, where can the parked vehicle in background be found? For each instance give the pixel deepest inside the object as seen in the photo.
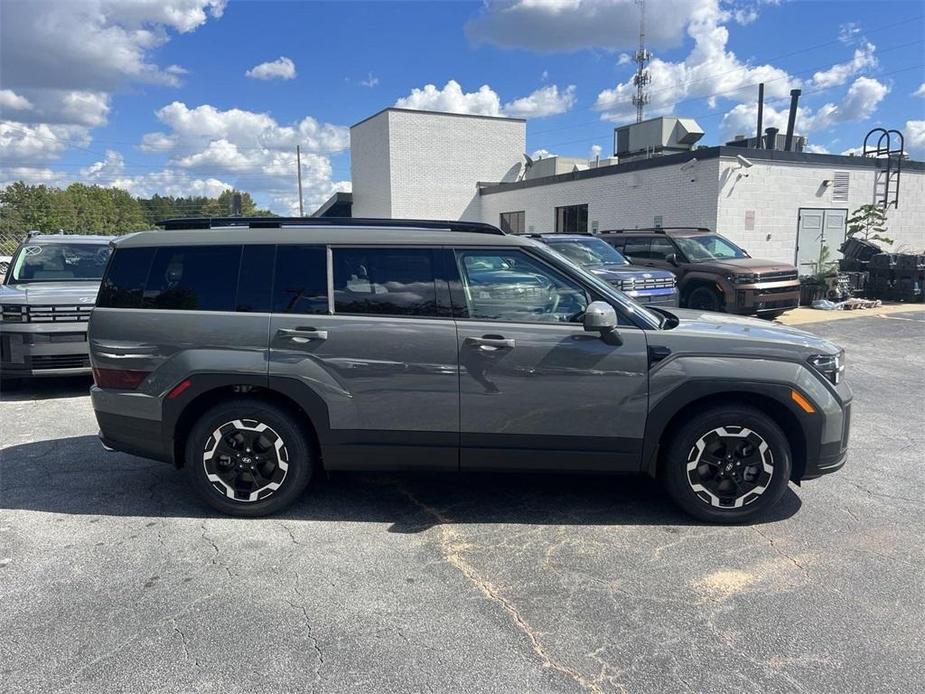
(649, 286)
(45, 303)
(4, 265)
(713, 273)
(255, 357)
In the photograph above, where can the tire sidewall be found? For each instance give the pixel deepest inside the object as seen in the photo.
(301, 458)
(674, 464)
(716, 299)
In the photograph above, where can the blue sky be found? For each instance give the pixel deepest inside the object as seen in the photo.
(168, 96)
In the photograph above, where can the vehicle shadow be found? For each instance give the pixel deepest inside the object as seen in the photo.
(25, 389)
(75, 476)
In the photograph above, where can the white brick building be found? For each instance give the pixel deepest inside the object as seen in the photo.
(419, 164)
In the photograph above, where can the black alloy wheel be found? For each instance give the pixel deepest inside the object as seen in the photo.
(705, 299)
(728, 464)
(249, 457)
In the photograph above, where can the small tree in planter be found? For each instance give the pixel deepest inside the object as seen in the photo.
(868, 222)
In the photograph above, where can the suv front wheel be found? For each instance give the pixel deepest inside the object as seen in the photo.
(727, 465)
(248, 458)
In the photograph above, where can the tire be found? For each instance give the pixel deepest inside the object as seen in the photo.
(738, 488)
(705, 299)
(234, 463)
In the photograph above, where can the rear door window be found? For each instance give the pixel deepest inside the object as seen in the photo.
(637, 247)
(385, 281)
(124, 282)
(661, 248)
(301, 280)
(193, 278)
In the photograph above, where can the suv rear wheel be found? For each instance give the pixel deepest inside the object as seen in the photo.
(248, 458)
(705, 299)
(727, 465)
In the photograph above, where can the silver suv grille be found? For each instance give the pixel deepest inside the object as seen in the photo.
(642, 283)
(46, 313)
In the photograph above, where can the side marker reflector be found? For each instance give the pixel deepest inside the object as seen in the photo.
(801, 400)
(179, 388)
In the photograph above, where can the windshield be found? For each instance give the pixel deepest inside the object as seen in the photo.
(59, 262)
(628, 305)
(708, 247)
(588, 252)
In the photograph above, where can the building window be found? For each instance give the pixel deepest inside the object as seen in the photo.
(572, 219)
(513, 222)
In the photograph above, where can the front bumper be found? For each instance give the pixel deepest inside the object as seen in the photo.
(765, 297)
(44, 349)
(832, 455)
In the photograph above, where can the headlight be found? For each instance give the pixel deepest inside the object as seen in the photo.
(11, 313)
(746, 278)
(829, 365)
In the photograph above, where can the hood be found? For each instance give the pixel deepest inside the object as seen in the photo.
(744, 265)
(753, 335)
(627, 272)
(43, 293)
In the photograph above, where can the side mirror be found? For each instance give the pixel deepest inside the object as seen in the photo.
(672, 258)
(600, 317)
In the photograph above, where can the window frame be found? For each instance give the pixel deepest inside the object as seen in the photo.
(523, 221)
(568, 207)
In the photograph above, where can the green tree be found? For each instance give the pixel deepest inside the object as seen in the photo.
(868, 222)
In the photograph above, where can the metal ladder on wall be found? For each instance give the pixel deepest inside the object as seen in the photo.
(886, 183)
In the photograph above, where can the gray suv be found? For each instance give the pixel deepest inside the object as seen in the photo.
(45, 303)
(256, 353)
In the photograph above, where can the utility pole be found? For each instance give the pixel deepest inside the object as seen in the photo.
(298, 159)
(642, 58)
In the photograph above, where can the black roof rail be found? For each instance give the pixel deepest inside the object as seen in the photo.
(279, 222)
(654, 230)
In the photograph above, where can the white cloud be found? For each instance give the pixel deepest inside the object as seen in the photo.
(94, 45)
(370, 81)
(816, 149)
(914, 134)
(709, 71)
(31, 145)
(920, 91)
(542, 154)
(248, 149)
(452, 99)
(567, 25)
(862, 99)
(193, 129)
(840, 73)
(546, 101)
(847, 31)
(13, 101)
(595, 151)
(280, 69)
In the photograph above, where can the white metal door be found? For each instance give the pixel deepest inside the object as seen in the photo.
(818, 228)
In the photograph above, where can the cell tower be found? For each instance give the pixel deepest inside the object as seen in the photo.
(642, 58)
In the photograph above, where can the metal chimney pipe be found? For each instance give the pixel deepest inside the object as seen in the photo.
(791, 121)
(760, 112)
(770, 138)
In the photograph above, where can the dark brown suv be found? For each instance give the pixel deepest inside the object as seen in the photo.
(713, 273)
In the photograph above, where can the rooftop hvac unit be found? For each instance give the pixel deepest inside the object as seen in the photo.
(657, 136)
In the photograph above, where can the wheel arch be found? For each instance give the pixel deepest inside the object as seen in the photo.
(207, 391)
(772, 399)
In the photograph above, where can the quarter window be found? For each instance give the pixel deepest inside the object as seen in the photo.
(509, 285)
(384, 281)
(124, 281)
(193, 278)
(513, 222)
(572, 219)
(301, 280)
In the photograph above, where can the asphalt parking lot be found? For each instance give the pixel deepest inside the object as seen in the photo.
(115, 578)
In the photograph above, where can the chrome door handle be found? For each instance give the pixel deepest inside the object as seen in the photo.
(302, 335)
(490, 342)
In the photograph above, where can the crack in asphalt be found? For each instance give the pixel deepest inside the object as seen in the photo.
(308, 625)
(214, 561)
(452, 544)
(185, 643)
(777, 549)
